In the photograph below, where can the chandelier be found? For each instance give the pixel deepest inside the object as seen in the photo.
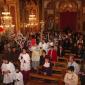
(32, 21)
(6, 22)
(6, 18)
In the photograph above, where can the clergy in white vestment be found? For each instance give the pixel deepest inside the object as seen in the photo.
(25, 67)
(8, 72)
(71, 78)
(35, 57)
(18, 78)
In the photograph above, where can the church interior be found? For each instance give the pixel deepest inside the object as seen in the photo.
(42, 42)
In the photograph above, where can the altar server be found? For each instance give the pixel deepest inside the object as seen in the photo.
(18, 77)
(24, 59)
(8, 71)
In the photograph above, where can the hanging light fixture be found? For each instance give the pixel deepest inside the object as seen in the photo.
(6, 18)
(32, 21)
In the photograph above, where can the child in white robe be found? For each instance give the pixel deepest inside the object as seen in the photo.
(24, 59)
(71, 78)
(18, 78)
(25, 66)
(8, 71)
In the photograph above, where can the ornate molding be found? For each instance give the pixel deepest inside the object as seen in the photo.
(14, 9)
(46, 3)
(68, 6)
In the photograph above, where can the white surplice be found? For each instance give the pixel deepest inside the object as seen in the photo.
(19, 79)
(8, 77)
(25, 62)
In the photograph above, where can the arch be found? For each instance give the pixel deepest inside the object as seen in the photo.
(67, 5)
(50, 5)
(68, 9)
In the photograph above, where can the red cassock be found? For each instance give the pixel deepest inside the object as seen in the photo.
(53, 55)
(33, 42)
(1, 29)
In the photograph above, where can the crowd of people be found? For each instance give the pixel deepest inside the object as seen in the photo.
(40, 51)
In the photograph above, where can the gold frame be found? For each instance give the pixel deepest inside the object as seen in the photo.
(14, 15)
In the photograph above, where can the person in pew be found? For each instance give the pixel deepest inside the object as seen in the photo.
(71, 78)
(42, 58)
(25, 66)
(66, 43)
(73, 63)
(18, 77)
(8, 72)
(60, 51)
(47, 67)
(8, 54)
(83, 58)
(79, 51)
(13, 55)
(80, 41)
(82, 72)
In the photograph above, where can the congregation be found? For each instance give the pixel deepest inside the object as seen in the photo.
(37, 55)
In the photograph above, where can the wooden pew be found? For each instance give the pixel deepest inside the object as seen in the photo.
(62, 59)
(58, 69)
(42, 76)
(57, 74)
(68, 54)
(57, 77)
(61, 64)
(67, 51)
